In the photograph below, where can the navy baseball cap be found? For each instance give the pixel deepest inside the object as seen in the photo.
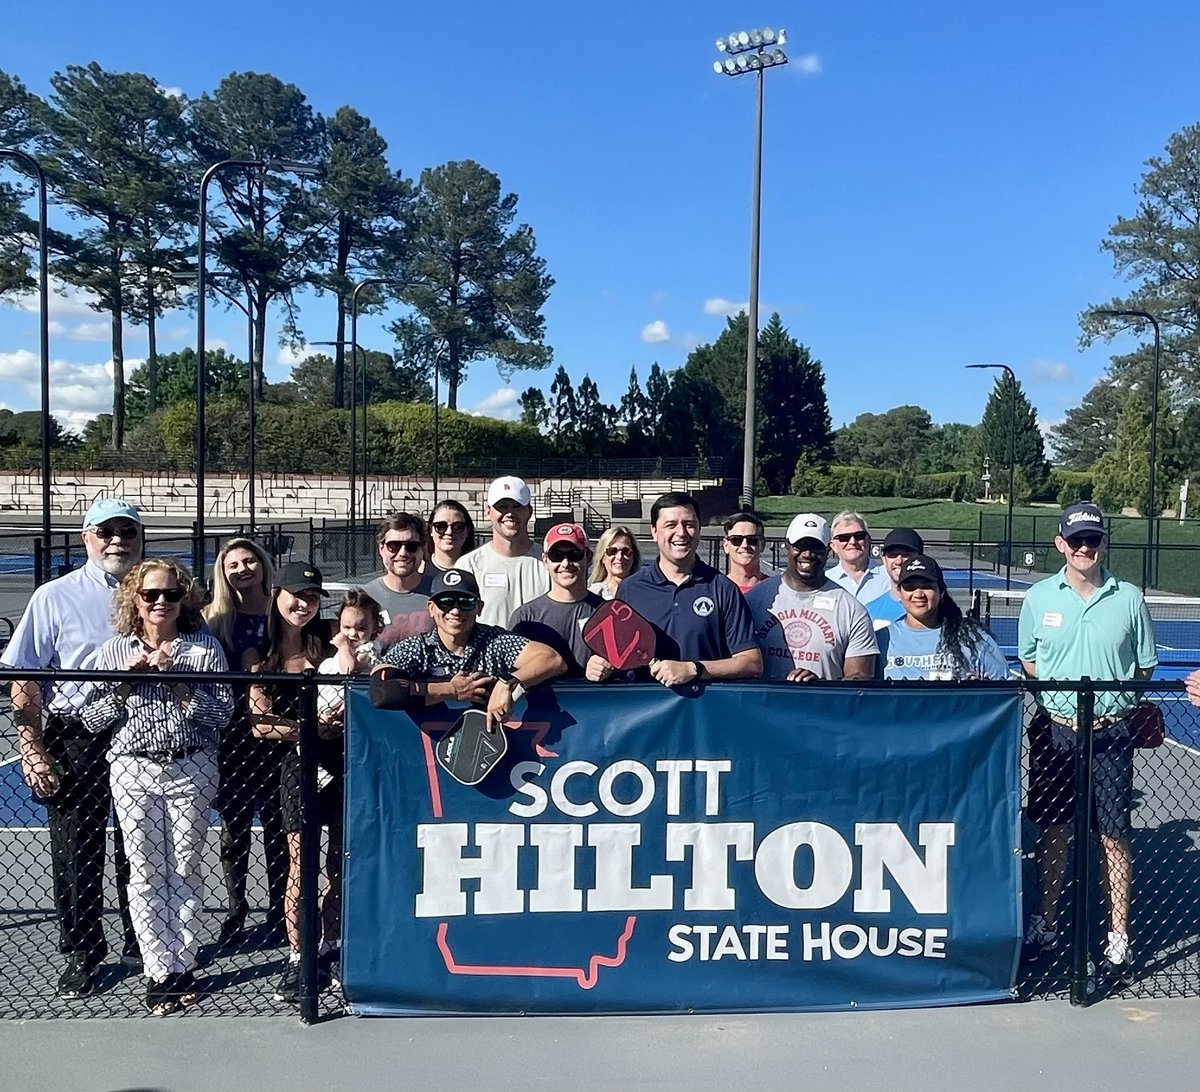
(454, 582)
(921, 568)
(903, 536)
(1082, 519)
(299, 576)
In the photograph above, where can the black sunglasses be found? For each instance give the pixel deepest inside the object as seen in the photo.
(126, 531)
(465, 603)
(737, 540)
(153, 595)
(441, 526)
(565, 555)
(1075, 541)
(392, 545)
(852, 536)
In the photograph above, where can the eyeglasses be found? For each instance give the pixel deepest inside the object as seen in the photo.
(465, 603)
(1091, 541)
(618, 551)
(441, 526)
(852, 536)
(394, 544)
(899, 551)
(153, 595)
(557, 557)
(737, 540)
(126, 531)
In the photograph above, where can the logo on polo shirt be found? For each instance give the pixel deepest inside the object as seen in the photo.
(451, 578)
(703, 607)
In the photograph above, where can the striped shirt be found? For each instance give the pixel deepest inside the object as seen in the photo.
(152, 719)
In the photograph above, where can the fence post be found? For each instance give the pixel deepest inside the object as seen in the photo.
(197, 552)
(1082, 873)
(39, 563)
(310, 849)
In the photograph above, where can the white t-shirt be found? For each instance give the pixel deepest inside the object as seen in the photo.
(505, 583)
(817, 630)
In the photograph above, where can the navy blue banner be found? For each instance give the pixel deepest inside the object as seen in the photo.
(753, 848)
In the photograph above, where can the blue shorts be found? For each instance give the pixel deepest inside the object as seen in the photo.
(1052, 776)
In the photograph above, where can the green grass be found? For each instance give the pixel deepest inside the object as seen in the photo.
(933, 515)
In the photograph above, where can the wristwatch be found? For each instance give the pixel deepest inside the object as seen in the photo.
(515, 687)
(700, 669)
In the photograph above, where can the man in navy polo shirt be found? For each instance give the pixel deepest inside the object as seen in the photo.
(702, 624)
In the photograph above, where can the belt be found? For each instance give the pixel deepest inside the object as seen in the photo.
(177, 755)
(1098, 723)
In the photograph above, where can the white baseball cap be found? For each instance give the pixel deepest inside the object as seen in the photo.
(508, 488)
(808, 525)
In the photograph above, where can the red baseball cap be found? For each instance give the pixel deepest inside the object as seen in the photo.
(570, 533)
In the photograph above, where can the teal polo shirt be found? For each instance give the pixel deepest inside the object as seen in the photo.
(1107, 637)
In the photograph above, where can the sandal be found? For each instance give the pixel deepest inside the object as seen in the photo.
(184, 989)
(159, 1001)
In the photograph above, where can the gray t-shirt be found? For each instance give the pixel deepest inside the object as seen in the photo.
(405, 614)
(816, 630)
(559, 625)
(505, 583)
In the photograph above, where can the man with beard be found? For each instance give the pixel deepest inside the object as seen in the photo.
(508, 569)
(558, 617)
(403, 590)
(807, 627)
(64, 764)
(701, 621)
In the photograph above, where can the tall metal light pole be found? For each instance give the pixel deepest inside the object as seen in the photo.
(26, 160)
(198, 552)
(752, 51)
(1151, 517)
(354, 351)
(1012, 437)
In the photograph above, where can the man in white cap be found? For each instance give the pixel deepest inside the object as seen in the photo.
(65, 765)
(807, 627)
(509, 567)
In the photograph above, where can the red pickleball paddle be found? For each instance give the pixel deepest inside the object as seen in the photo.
(622, 636)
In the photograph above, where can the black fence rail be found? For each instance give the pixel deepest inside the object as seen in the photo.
(1108, 814)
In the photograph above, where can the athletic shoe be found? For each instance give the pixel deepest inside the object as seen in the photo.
(78, 978)
(329, 969)
(288, 988)
(1040, 940)
(131, 957)
(1116, 968)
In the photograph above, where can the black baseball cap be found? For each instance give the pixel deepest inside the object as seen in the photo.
(903, 536)
(299, 576)
(454, 582)
(921, 568)
(1082, 519)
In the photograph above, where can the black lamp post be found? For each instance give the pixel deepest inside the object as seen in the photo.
(35, 167)
(355, 349)
(1151, 519)
(198, 557)
(1012, 437)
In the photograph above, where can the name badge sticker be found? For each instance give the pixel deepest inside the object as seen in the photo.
(1052, 618)
(495, 580)
(823, 602)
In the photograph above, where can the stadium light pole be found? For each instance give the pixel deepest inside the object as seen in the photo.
(1012, 447)
(1155, 379)
(282, 165)
(752, 51)
(355, 349)
(28, 161)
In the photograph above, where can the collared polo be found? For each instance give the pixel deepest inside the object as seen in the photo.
(1107, 637)
(704, 618)
(874, 583)
(64, 625)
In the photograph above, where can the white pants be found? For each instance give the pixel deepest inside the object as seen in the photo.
(163, 809)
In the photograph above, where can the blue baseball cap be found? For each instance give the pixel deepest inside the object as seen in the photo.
(107, 508)
(1080, 519)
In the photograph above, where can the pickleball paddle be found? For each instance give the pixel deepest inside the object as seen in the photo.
(622, 636)
(469, 752)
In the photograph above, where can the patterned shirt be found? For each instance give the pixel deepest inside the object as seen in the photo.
(152, 719)
(489, 650)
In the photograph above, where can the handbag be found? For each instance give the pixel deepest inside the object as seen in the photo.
(1146, 726)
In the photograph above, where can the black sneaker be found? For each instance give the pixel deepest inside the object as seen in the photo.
(329, 970)
(232, 931)
(1116, 974)
(78, 979)
(287, 989)
(131, 957)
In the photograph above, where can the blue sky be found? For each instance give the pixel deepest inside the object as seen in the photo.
(937, 177)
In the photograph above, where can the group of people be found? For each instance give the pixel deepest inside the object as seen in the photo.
(453, 619)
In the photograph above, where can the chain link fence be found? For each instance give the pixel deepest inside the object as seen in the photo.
(206, 879)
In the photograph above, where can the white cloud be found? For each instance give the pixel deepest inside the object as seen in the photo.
(808, 65)
(174, 92)
(77, 391)
(504, 403)
(655, 332)
(66, 301)
(718, 305)
(289, 355)
(82, 331)
(1049, 371)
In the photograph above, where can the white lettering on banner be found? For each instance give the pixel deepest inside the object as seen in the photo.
(557, 888)
(746, 942)
(824, 941)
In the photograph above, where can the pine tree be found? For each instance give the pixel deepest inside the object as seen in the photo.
(992, 435)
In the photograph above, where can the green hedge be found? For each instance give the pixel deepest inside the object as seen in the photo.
(865, 481)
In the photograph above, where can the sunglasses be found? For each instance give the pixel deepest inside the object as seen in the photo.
(392, 545)
(737, 540)
(852, 536)
(899, 551)
(559, 556)
(442, 527)
(126, 531)
(465, 603)
(1092, 541)
(917, 585)
(618, 551)
(153, 595)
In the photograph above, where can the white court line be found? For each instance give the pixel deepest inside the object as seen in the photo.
(10, 761)
(1182, 746)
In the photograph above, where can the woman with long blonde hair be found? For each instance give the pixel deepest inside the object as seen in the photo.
(617, 556)
(250, 768)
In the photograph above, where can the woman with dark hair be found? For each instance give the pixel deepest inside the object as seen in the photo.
(295, 644)
(451, 534)
(162, 763)
(935, 640)
(237, 617)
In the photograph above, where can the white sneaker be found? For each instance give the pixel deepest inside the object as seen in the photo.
(1117, 966)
